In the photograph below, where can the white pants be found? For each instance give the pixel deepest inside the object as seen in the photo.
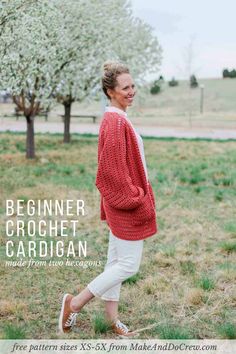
(123, 261)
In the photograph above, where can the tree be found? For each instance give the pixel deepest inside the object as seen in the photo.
(232, 74)
(55, 49)
(86, 45)
(193, 81)
(155, 87)
(31, 54)
(226, 73)
(173, 82)
(229, 73)
(90, 45)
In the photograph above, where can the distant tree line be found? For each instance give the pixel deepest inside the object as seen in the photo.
(229, 73)
(156, 85)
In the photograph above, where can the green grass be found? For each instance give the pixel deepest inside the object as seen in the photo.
(227, 266)
(219, 195)
(227, 330)
(194, 184)
(123, 307)
(206, 282)
(228, 246)
(173, 332)
(187, 267)
(132, 280)
(168, 250)
(13, 332)
(230, 227)
(100, 325)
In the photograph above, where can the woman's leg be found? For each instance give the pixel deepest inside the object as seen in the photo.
(112, 258)
(80, 300)
(111, 310)
(129, 254)
(85, 295)
(111, 296)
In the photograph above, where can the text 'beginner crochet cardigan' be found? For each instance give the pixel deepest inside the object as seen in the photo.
(127, 199)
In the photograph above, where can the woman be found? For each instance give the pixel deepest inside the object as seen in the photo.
(127, 201)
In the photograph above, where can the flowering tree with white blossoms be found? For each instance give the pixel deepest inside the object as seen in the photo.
(31, 56)
(56, 48)
(85, 45)
(98, 31)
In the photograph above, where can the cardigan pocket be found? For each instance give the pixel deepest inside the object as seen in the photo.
(143, 213)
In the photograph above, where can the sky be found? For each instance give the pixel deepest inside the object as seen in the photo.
(205, 28)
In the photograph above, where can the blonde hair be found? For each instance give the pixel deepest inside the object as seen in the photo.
(111, 70)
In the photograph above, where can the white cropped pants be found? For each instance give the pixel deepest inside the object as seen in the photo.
(123, 261)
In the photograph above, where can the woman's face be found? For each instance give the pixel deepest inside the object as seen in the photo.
(123, 94)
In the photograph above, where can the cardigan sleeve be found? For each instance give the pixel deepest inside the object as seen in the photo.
(113, 179)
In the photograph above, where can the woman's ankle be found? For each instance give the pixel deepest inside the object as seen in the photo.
(74, 305)
(111, 319)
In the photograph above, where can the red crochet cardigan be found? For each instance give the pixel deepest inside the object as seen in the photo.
(127, 200)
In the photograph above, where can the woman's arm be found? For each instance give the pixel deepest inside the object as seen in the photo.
(113, 179)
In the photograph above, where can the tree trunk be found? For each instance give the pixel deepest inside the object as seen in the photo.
(30, 149)
(67, 106)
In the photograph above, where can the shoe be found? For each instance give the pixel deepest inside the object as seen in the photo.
(122, 330)
(67, 318)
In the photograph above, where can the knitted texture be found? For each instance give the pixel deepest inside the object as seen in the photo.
(127, 199)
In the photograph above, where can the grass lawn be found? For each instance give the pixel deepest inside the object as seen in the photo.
(186, 283)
